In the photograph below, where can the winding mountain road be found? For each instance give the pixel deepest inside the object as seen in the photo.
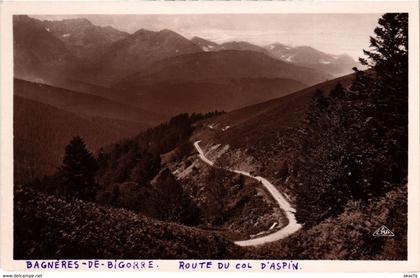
(289, 211)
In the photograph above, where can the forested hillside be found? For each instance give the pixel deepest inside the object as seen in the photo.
(41, 133)
(355, 143)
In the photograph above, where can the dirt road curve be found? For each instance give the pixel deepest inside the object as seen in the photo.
(289, 229)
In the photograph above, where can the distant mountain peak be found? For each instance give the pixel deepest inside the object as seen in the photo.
(306, 47)
(195, 38)
(164, 36)
(71, 23)
(110, 28)
(172, 34)
(141, 32)
(167, 31)
(237, 42)
(81, 20)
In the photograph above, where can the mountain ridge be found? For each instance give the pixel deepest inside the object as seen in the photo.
(306, 56)
(84, 39)
(205, 66)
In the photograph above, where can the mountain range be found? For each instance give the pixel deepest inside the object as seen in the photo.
(86, 72)
(306, 56)
(157, 72)
(82, 38)
(75, 50)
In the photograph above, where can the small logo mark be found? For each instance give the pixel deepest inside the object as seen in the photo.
(383, 231)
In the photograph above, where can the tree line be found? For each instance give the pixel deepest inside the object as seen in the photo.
(121, 175)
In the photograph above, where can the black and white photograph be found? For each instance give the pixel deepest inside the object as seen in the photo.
(217, 136)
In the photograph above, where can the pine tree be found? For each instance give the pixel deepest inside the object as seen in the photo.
(76, 176)
(389, 53)
(354, 144)
(388, 61)
(338, 91)
(385, 85)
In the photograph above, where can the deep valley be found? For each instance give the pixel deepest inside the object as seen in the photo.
(166, 147)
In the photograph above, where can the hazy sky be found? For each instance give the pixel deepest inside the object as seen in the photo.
(331, 33)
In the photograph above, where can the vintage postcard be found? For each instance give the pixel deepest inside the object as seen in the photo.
(210, 136)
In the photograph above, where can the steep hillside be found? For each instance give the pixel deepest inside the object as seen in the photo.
(253, 123)
(232, 204)
(350, 234)
(259, 136)
(41, 132)
(69, 230)
(37, 52)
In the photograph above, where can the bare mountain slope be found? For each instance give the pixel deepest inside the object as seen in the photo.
(252, 123)
(84, 104)
(38, 54)
(135, 52)
(83, 39)
(229, 64)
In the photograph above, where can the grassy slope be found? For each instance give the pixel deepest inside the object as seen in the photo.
(254, 123)
(350, 235)
(47, 227)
